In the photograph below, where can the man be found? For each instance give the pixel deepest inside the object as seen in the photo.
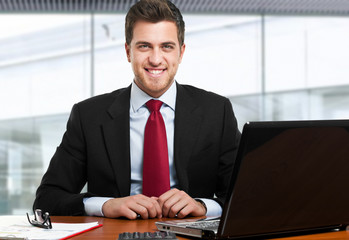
(105, 138)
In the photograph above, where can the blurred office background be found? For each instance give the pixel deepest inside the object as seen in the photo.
(275, 60)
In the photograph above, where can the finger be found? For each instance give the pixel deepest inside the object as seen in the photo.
(193, 208)
(140, 210)
(138, 204)
(177, 208)
(167, 195)
(170, 204)
(158, 211)
(167, 205)
(121, 208)
(130, 214)
(185, 211)
(151, 206)
(157, 207)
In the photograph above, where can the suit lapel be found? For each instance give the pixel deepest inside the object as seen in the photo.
(117, 139)
(188, 117)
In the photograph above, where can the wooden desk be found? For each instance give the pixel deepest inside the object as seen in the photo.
(112, 227)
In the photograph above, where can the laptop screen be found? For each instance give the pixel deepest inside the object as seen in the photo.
(288, 177)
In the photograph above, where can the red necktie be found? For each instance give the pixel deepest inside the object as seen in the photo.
(156, 176)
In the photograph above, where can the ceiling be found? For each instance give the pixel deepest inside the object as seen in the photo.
(290, 7)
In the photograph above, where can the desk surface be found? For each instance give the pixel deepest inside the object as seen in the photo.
(112, 227)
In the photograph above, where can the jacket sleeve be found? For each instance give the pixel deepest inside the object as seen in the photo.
(228, 150)
(59, 191)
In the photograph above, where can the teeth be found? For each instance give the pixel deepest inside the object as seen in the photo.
(155, 71)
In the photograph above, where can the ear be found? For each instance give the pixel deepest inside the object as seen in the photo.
(181, 52)
(128, 50)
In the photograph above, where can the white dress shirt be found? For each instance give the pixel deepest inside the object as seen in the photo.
(139, 114)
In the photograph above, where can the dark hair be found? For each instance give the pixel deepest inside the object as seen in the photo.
(154, 11)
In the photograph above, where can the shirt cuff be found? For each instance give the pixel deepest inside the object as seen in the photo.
(213, 207)
(93, 205)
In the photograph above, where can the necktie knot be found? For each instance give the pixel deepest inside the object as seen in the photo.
(154, 105)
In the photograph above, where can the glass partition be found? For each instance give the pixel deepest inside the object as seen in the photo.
(44, 69)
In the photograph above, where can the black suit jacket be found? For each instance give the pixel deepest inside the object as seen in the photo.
(96, 149)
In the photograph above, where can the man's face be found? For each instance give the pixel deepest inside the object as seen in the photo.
(155, 54)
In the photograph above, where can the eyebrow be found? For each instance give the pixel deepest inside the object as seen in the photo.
(148, 43)
(142, 42)
(169, 43)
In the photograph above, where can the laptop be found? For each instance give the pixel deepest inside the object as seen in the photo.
(290, 177)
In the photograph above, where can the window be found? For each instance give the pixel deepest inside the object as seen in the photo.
(296, 68)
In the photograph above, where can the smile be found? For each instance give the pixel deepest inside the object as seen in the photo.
(155, 71)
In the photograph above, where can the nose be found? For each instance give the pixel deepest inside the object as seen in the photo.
(155, 57)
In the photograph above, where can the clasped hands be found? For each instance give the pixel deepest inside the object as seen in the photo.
(173, 203)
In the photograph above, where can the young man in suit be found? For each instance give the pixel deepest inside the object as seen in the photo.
(104, 142)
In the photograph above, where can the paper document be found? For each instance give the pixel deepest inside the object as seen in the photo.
(19, 227)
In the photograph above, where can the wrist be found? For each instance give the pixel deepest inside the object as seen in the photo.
(202, 203)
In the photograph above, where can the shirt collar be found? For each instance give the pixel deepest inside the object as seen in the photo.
(139, 98)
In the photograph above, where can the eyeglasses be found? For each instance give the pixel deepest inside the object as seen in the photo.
(41, 220)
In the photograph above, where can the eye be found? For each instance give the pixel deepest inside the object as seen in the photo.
(143, 46)
(168, 46)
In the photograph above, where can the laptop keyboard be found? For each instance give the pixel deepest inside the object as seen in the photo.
(147, 236)
(206, 225)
